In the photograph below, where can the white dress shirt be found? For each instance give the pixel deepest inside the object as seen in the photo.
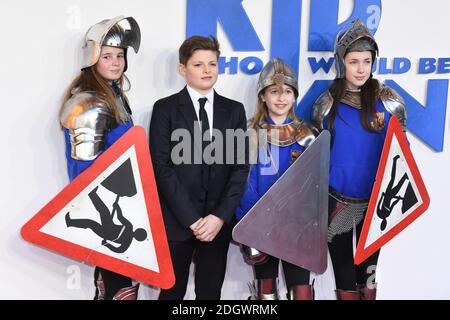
(208, 105)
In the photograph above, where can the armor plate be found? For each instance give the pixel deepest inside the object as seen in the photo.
(277, 72)
(347, 38)
(394, 103)
(284, 135)
(321, 108)
(127, 34)
(88, 118)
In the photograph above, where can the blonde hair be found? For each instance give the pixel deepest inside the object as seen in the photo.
(262, 114)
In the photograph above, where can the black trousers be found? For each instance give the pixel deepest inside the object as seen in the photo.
(346, 273)
(210, 260)
(294, 275)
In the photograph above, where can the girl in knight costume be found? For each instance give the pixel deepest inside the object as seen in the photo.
(356, 109)
(95, 113)
(287, 137)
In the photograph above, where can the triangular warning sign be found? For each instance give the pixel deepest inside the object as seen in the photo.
(398, 197)
(290, 220)
(110, 216)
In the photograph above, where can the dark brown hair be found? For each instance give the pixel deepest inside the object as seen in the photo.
(369, 90)
(194, 43)
(369, 95)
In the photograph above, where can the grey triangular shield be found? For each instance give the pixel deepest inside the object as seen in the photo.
(290, 221)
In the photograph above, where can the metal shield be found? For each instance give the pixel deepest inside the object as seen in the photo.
(290, 221)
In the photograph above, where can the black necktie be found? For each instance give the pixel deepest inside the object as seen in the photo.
(203, 115)
(205, 140)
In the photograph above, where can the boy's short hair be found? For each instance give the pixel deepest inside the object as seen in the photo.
(191, 44)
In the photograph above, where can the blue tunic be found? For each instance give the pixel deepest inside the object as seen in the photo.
(355, 152)
(75, 167)
(273, 161)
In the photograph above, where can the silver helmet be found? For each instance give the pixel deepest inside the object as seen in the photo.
(277, 72)
(356, 38)
(118, 32)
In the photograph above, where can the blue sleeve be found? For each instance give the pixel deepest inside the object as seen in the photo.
(251, 194)
(74, 167)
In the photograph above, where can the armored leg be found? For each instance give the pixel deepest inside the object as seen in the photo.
(113, 286)
(264, 289)
(129, 293)
(366, 292)
(99, 287)
(347, 295)
(253, 256)
(301, 292)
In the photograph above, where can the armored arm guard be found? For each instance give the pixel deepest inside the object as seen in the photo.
(88, 119)
(320, 109)
(394, 103)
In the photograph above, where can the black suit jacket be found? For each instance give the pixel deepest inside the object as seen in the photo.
(183, 199)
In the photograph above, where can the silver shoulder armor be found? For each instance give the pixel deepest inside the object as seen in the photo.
(88, 118)
(320, 109)
(394, 103)
(310, 134)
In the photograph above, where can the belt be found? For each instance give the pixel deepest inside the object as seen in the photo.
(348, 200)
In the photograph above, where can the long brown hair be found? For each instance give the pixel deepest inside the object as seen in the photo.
(90, 80)
(369, 95)
(262, 114)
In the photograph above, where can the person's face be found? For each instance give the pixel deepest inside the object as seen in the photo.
(111, 63)
(201, 70)
(279, 101)
(358, 67)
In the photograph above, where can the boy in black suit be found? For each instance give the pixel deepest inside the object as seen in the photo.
(198, 195)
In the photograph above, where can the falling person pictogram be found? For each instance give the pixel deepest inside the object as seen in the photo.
(116, 237)
(391, 197)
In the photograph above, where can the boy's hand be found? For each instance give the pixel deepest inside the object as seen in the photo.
(195, 225)
(208, 228)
